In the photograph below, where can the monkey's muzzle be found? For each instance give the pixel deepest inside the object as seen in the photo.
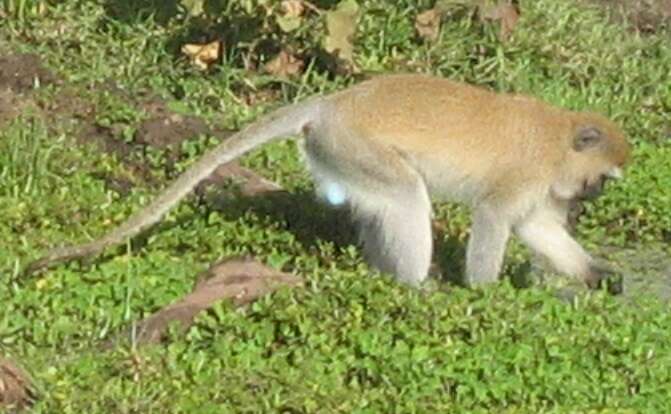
(590, 191)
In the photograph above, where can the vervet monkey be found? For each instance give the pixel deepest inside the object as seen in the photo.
(383, 146)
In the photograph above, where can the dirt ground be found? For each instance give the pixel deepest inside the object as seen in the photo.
(22, 74)
(644, 16)
(646, 272)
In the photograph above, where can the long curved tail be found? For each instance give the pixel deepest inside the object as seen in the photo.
(283, 122)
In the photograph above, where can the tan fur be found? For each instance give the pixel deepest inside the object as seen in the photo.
(384, 145)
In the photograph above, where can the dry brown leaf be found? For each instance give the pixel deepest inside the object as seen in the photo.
(15, 388)
(341, 27)
(427, 24)
(293, 8)
(241, 280)
(284, 65)
(203, 55)
(503, 11)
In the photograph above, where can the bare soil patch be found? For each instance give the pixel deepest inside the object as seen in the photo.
(11, 105)
(23, 72)
(644, 16)
(20, 74)
(647, 272)
(165, 128)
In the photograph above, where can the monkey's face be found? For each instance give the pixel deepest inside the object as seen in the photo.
(598, 153)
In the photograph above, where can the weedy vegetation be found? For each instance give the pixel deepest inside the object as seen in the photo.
(102, 102)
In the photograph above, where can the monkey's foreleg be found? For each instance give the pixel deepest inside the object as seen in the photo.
(486, 246)
(544, 234)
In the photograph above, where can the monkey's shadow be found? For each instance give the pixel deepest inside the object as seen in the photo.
(303, 215)
(311, 220)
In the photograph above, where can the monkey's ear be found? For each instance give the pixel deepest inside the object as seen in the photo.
(587, 137)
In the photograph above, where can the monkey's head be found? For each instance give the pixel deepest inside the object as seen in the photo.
(597, 151)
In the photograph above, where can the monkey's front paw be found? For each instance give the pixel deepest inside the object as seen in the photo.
(603, 276)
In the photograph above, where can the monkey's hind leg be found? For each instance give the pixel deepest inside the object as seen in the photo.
(396, 232)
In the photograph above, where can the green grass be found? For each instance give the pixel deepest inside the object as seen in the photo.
(352, 340)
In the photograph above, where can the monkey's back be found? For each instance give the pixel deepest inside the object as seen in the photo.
(421, 113)
(473, 132)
